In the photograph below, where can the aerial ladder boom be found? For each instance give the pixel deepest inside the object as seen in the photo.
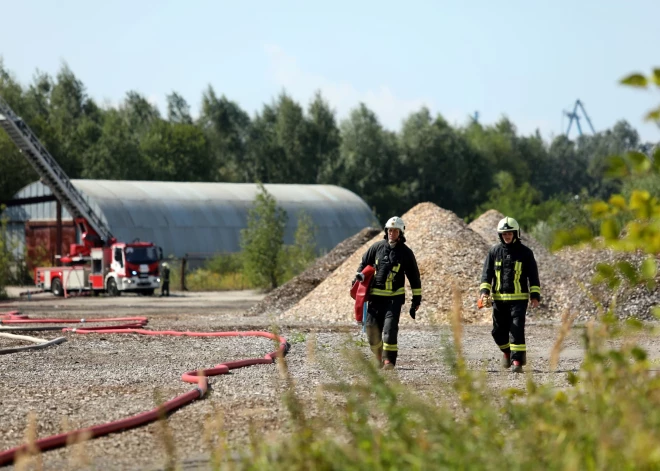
(50, 171)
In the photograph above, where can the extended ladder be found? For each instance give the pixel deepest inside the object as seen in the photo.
(49, 170)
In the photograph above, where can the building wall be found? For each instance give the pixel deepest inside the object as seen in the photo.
(196, 218)
(41, 242)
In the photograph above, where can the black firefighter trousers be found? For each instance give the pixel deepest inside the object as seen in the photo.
(509, 328)
(382, 326)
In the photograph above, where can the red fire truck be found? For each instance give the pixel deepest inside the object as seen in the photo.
(100, 263)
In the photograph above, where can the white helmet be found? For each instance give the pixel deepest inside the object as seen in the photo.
(508, 224)
(395, 222)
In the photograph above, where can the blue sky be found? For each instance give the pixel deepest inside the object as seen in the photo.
(529, 60)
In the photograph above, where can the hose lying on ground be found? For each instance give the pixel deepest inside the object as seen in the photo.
(31, 329)
(41, 343)
(16, 318)
(44, 344)
(198, 377)
(22, 337)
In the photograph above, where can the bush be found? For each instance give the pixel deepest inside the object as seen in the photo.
(302, 253)
(562, 213)
(5, 256)
(263, 241)
(224, 264)
(206, 280)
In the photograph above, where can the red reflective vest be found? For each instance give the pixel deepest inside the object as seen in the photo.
(360, 291)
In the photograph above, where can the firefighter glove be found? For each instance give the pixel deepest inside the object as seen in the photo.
(413, 310)
(358, 277)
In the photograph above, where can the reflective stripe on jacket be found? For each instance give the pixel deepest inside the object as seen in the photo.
(510, 273)
(393, 266)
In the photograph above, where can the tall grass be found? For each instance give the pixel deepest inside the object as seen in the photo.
(220, 273)
(227, 271)
(608, 418)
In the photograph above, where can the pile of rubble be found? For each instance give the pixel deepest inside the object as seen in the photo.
(583, 295)
(448, 252)
(285, 296)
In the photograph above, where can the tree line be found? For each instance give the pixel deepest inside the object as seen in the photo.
(465, 169)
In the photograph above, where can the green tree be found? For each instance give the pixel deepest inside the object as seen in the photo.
(324, 139)
(139, 113)
(176, 152)
(498, 144)
(369, 161)
(263, 154)
(75, 119)
(5, 255)
(303, 250)
(117, 154)
(439, 165)
(227, 129)
(567, 167)
(262, 241)
(178, 110)
(596, 149)
(15, 171)
(292, 137)
(518, 201)
(278, 146)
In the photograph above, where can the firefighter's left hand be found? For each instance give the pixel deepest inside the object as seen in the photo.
(413, 310)
(535, 303)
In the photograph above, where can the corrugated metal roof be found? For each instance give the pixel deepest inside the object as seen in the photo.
(185, 217)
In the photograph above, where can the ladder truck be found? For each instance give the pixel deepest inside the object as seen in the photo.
(100, 263)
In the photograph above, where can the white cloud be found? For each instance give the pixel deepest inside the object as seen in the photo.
(342, 95)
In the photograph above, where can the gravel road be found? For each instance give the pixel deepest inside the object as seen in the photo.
(97, 378)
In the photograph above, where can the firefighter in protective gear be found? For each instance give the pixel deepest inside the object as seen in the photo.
(165, 279)
(510, 275)
(393, 261)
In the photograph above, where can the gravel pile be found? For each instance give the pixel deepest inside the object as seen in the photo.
(447, 252)
(556, 277)
(630, 301)
(287, 295)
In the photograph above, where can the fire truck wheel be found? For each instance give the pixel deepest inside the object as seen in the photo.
(56, 287)
(112, 287)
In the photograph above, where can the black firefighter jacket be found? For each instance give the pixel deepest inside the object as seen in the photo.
(510, 273)
(392, 266)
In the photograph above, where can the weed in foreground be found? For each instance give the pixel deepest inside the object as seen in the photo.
(608, 418)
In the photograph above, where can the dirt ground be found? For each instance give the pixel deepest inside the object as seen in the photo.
(92, 379)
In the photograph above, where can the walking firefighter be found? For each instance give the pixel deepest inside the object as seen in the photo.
(510, 281)
(393, 261)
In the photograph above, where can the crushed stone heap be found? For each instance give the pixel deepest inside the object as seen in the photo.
(556, 277)
(630, 301)
(285, 296)
(447, 251)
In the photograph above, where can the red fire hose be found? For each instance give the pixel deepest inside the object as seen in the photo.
(198, 377)
(15, 317)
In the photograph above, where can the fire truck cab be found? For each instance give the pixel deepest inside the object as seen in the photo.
(121, 267)
(126, 267)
